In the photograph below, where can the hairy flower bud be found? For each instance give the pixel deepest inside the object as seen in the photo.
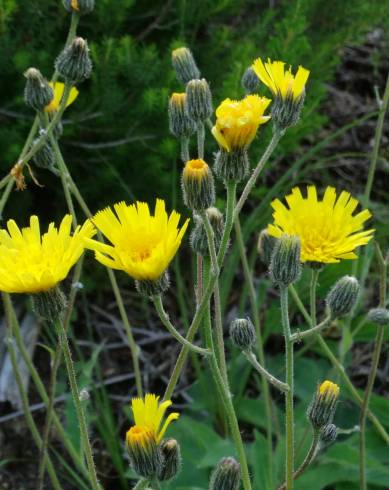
(74, 63)
(266, 244)
(197, 185)
(342, 296)
(379, 316)
(44, 157)
(150, 288)
(198, 101)
(250, 81)
(171, 457)
(184, 65)
(285, 265)
(37, 91)
(286, 111)
(145, 455)
(323, 406)
(242, 333)
(232, 166)
(82, 7)
(226, 475)
(198, 238)
(180, 124)
(50, 304)
(328, 434)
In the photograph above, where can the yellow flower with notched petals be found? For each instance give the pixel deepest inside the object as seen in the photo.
(328, 389)
(58, 89)
(148, 416)
(238, 121)
(281, 82)
(142, 245)
(328, 230)
(31, 263)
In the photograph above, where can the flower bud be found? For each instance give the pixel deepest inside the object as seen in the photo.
(145, 455)
(198, 238)
(250, 81)
(184, 65)
(82, 7)
(44, 157)
(37, 91)
(74, 63)
(198, 101)
(50, 304)
(286, 111)
(323, 406)
(328, 434)
(242, 333)
(285, 265)
(180, 124)
(232, 166)
(342, 296)
(379, 316)
(171, 456)
(266, 244)
(149, 288)
(197, 185)
(226, 475)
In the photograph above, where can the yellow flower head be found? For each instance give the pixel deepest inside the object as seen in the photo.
(328, 389)
(281, 82)
(237, 121)
(58, 88)
(328, 230)
(196, 170)
(148, 416)
(31, 263)
(143, 245)
(178, 99)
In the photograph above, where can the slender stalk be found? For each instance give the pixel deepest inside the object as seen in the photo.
(297, 337)
(185, 149)
(277, 135)
(308, 458)
(200, 140)
(41, 388)
(201, 309)
(259, 344)
(63, 340)
(142, 484)
(289, 417)
(284, 387)
(23, 395)
(339, 367)
(157, 300)
(312, 296)
(227, 402)
(373, 372)
(199, 279)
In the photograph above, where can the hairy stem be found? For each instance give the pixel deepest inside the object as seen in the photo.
(284, 387)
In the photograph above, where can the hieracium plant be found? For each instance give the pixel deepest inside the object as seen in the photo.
(308, 232)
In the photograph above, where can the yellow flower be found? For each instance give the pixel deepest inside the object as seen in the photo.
(328, 229)
(328, 389)
(142, 245)
(281, 82)
(237, 121)
(58, 88)
(148, 416)
(31, 263)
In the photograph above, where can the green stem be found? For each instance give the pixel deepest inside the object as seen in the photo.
(23, 395)
(289, 417)
(164, 317)
(284, 387)
(308, 458)
(312, 296)
(63, 340)
(200, 140)
(40, 386)
(142, 484)
(373, 372)
(297, 337)
(277, 135)
(259, 344)
(184, 149)
(340, 369)
(228, 405)
(201, 309)
(199, 279)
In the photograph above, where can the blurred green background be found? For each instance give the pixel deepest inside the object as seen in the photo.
(117, 146)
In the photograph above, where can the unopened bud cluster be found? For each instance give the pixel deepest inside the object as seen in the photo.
(342, 296)
(198, 100)
(250, 81)
(197, 185)
(323, 406)
(226, 475)
(198, 238)
(285, 265)
(74, 63)
(81, 7)
(379, 316)
(184, 65)
(266, 244)
(180, 124)
(242, 333)
(37, 92)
